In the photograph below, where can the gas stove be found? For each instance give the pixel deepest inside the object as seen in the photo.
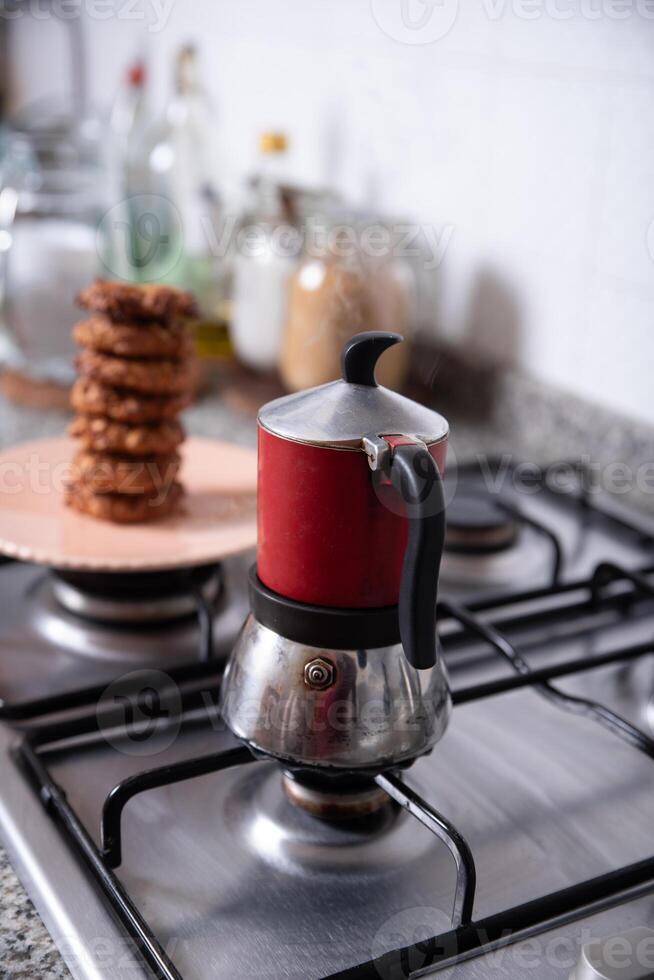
(154, 843)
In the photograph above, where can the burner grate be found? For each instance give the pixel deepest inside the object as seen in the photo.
(610, 587)
(544, 531)
(581, 706)
(609, 584)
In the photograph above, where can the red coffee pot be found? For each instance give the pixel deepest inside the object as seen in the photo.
(350, 535)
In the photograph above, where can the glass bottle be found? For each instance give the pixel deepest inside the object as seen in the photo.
(175, 201)
(127, 121)
(127, 124)
(266, 255)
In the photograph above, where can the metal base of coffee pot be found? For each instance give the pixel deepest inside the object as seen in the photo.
(363, 710)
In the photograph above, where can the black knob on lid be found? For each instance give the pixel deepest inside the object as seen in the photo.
(361, 353)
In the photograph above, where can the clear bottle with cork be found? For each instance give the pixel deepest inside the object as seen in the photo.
(176, 203)
(128, 123)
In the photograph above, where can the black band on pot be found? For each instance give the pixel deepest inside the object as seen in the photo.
(322, 626)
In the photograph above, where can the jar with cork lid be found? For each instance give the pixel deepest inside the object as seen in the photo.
(350, 278)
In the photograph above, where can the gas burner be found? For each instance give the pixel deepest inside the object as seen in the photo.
(47, 650)
(257, 813)
(137, 597)
(487, 545)
(478, 525)
(348, 797)
(139, 618)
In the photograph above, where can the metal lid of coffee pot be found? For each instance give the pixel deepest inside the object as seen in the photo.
(339, 414)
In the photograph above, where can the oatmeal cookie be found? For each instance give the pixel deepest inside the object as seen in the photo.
(103, 435)
(145, 339)
(123, 474)
(93, 398)
(124, 301)
(124, 508)
(160, 377)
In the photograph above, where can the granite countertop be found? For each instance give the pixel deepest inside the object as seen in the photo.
(527, 422)
(26, 949)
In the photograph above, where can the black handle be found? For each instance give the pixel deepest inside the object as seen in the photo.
(415, 476)
(361, 353)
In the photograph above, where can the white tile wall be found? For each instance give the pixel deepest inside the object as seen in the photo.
(526, 125)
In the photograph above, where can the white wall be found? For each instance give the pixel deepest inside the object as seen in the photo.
(528, 126)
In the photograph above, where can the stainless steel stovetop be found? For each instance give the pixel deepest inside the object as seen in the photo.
(220, 876)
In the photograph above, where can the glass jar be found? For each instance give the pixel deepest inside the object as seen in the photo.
(49, 212)
(351, 278)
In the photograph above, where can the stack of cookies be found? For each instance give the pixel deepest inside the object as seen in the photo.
(135, 378)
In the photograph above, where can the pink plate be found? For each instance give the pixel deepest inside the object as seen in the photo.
(217, 516)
